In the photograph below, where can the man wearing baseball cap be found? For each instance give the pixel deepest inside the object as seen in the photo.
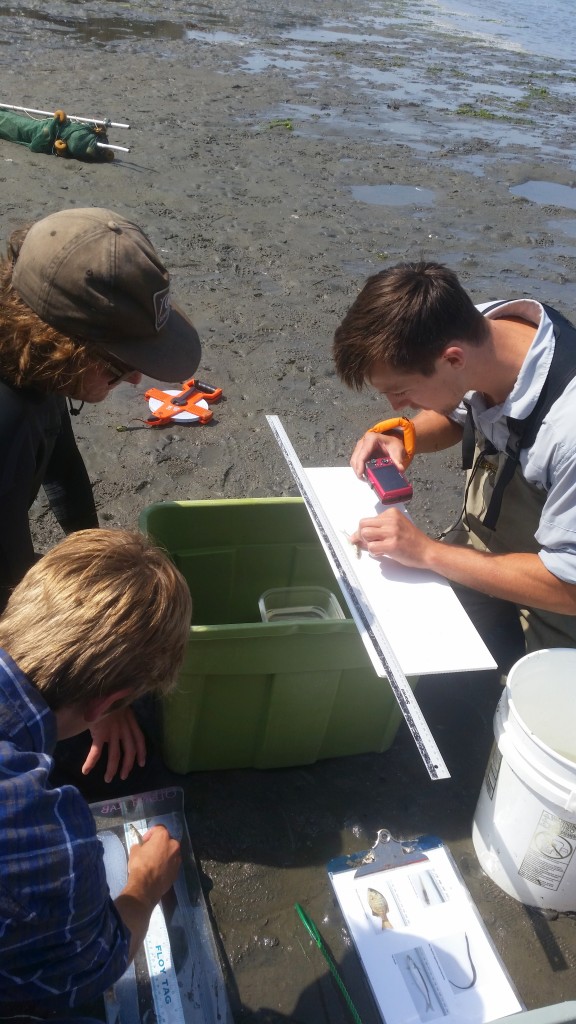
(95, 277)
(85, 303)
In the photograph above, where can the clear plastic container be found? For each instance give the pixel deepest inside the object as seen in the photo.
(299, 603)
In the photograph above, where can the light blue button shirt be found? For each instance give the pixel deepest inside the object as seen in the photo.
(551, 461)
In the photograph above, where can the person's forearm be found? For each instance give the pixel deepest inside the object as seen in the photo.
(152, 868)
(435, 432)
(520, 578)
(135, 910)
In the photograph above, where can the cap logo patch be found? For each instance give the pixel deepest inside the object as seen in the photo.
(162, 308)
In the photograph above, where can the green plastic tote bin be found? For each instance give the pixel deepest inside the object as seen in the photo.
(262, 694)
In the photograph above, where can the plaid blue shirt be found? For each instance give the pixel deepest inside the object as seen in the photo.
(62, 943)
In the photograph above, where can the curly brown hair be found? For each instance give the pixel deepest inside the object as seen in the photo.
(33, 354)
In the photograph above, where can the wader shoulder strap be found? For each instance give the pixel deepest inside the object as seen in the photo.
(469, 433)
(523, 432)
(468, 439)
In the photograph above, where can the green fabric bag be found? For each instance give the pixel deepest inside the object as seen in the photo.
(56, 134)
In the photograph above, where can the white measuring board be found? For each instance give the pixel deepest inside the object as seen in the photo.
(176, 976)
(424, 622)
(372, 633)
(161, 969)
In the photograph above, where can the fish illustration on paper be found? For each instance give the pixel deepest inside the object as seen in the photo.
(379, 906)
(420, 982)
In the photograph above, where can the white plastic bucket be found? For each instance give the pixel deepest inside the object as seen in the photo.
(524, 829)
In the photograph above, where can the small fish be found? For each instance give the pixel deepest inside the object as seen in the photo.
(379, 906)
(135, 833)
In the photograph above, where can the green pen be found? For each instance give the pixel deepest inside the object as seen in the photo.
(315, 934)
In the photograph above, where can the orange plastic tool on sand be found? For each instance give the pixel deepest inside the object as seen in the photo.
(193, 391)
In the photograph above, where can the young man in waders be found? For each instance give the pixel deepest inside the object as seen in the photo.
(500, 379)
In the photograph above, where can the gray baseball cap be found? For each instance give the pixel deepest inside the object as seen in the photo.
(95, 276)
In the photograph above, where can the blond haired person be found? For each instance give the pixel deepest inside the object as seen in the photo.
(102, 618)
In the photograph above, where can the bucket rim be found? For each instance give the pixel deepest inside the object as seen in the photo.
(552, 652)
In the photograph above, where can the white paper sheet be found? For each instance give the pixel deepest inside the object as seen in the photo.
(425, 624)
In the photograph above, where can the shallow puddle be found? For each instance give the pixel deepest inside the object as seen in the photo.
(95, 30)
(310, 34)
(259, 60)
(547, 193)
(566, 227)
(393, 195)
(214, 36)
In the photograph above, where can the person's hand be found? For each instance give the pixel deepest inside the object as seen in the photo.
(154, 864)
(126, 744)
(393, 534)
(153, 867)
(375, 446)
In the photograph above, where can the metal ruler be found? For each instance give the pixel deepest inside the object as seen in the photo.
(375, 640)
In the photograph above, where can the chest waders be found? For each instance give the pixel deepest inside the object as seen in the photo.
(502, 509)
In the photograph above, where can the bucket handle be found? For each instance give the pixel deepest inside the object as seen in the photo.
(566, 797)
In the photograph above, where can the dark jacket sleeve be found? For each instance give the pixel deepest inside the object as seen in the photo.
(16, 548)
(67, 484)
(18, 462)
(37, 447)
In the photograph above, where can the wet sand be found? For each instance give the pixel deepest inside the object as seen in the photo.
(278, 158)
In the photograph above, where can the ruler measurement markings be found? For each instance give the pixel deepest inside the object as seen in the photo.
(162, 973)
(363, 613)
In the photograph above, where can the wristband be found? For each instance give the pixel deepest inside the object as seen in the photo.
(398, 423)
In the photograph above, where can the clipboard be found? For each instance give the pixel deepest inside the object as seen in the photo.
(421, 941)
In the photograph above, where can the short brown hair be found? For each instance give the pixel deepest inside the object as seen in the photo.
(33, 354)
(405, 316)
(101, 611)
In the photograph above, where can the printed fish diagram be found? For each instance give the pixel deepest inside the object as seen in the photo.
(419, 936)
(176, 977)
